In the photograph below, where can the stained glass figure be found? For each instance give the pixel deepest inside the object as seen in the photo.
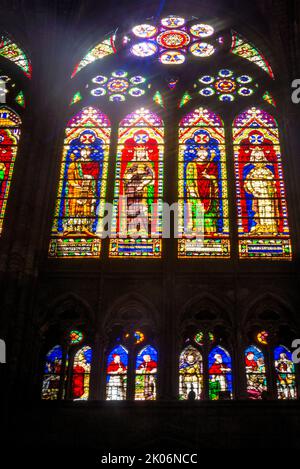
(285, 373)
(81, 374)
(101, 50)
(226, 85)
(52, 373)
(262, 211)
(190, 373)
(137, 216)
(80, 204)
(11, 51)
(220, 374)
(9, 138)
(255, 372)
(203, 202)
(116, 374)
(146, 374)
(243, 48)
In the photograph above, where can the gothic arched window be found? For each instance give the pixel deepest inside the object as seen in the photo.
(234, 72)
(137, 220)
(66, 369)
(79, 210)
(81, 373)
(146, 374)
(220, 374)
(285, 373)
(52, 373)
(10, 124)
(203, 203)
(116, 374)
(190, 373)
(256, 379)
(262, 212)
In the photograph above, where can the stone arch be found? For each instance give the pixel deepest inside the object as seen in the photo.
(66, 310)
(131, 308)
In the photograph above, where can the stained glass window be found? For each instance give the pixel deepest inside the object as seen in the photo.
(220, 374)
(75, 337)
(203, 202)
(20, 99)
(101, 50)
(146, 374)
(119, 86)
(185, 99)
(52, 373)
(80, 204)
(255, 372)
(190, 373)
(137, 220)
(81, 373)
(243, 48)
(261, 204)
(226, 85)
(269, 98)
(158, 99)
(11, 51)
(76, 98)
(9, 137)
(116, 374)
(285, 373)
(262, 337)
(139, 337)
(172, 39)
(201, 337)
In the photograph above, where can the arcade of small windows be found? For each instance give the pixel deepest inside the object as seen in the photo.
(206, 369)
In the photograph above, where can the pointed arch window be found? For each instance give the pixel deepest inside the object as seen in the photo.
(146, 374)
(80, 202)
(202, 190)
(66, 369)
(285, 373)
(261, 203)
(52, 373)
(116, 374)
(220, 374)
(190, 373)
(81, 373)
(205, 369)
(137, 218)
(256, 377)
(10, 124)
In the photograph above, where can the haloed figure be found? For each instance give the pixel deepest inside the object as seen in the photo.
(190, 374)
(139, 189)
(202, 191)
